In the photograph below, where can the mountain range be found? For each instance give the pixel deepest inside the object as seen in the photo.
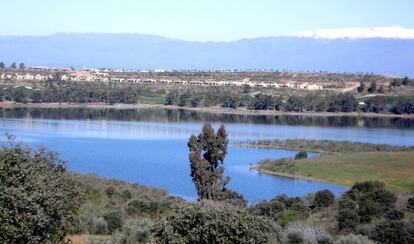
(388, 51)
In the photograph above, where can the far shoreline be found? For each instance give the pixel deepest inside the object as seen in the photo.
(293, 176)
(213, 110)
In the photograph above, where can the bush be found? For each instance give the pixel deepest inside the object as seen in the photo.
(195, 224)
(126, 195)
(372, 199)
(134, 231)
(324, 198)
(301, 155)
(97, 226)
(325, 240)
(270, 209)
(290, 216)
(395, 214)
(393, 232)
(110, 191)
(295, 238)
(231, 197)
(348, 217)
(114, 219)
(146, 208)
(296, 231)
(353, 239)
(38, 200)
(410, 205)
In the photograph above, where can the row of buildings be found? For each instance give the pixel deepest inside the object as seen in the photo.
(98, 76)
(105, 77)
(27, 76)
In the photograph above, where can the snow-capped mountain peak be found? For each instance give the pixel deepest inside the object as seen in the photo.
(394, 32)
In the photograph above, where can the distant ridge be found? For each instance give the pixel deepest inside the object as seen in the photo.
(393, 32)
(388, 54)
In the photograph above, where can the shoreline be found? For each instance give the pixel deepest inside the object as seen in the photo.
(213, 110)
(298, 177)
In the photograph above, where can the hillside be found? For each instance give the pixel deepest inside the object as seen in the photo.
(390, 56)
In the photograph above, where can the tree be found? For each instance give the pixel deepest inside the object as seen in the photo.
(38, 199)
(2, 65)
(324, 198)
(207, 153)
(395, 82)
(373, 87)
(263, 102)
(410, 205)
(381, 89)
(348, 217)
(295, 103)
(372, 200)
(114, 220)
(13, 65)
(403, 105)
(375, 104)
(393, 232)
(361, 87)
(301, 155)
(406, 81)
(22, 66)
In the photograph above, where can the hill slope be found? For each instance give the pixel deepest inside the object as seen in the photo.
(135, 51)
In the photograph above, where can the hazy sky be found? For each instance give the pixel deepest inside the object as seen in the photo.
(199, 20)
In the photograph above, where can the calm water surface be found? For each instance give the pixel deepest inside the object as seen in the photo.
(149, 146)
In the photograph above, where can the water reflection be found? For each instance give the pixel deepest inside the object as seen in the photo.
(164, 115)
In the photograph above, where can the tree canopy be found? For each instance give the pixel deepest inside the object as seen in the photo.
(38, 200)
(207, 153)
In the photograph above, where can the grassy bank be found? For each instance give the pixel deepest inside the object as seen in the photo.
(326, 146)
(344, 163)
(395, 169)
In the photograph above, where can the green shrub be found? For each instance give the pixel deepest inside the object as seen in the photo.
(290, 216)
(372, 199)
(146, 207)
(97, 226)
(307, 234)
(295, 238)
(38, 200)
(410, 205)
(126, 194)
(114, 219)
(134, 231)
(324, 198)
(301, 155)
(231, 197)
(348, 217)
(395, 214)
(268, 208)
(195, 224)
(325, 240)
(110, 191)
(353, 239)
(393, 232)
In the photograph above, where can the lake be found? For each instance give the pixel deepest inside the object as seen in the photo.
(149, 146)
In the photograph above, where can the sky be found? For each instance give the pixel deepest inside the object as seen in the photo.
(199, 20)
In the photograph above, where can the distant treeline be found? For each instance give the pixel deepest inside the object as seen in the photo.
(226, 97)
(309, 103)
(71, 92)
(261, 101)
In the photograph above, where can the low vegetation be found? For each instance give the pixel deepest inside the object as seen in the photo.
(344, 162)
(326, 146)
